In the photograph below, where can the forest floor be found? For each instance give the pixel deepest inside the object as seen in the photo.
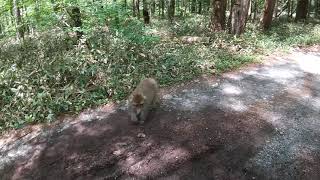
(258, 122)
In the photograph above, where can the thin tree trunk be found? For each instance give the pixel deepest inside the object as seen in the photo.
(138, 8)
(317, 8)
(193, 6)
(153, 7)
(75, 15)
(145, 12)
(199, 6)
(125, 4)
(162, 8)
(289, 4)
(134, 8)
(239, 16)
(218, 16)
(302, 10)
(18, 20)
(266, 20)
(171, 10)
(275, 10)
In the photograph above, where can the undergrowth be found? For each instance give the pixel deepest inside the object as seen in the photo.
(51, 74)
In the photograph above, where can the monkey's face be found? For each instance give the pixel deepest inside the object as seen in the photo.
(137, 108)
(138, 104)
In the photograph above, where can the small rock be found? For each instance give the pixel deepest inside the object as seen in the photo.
(167, 96)
(117, 153)
(141, 135)
(214, 85)
(123, 108)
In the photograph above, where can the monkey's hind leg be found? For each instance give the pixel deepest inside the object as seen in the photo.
(156, 102)
(143, 116)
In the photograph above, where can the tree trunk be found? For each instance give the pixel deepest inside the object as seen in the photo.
(1, 31)
(153, 7)
(266, 20)
(193, 6)
(275, 9)
(162, 8)
(302, 10)
(18, 20)
(317, 8)
(218, 16)
(134, 8)
(239, 16)
(138, 8)
(75, 15)
(125, 4)
(289, 4)
(171, 10)
(26, 25)
(199, 6)
(145, 12)
(185, 6)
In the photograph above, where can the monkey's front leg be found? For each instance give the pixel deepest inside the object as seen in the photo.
(143, 115)
(134, 118)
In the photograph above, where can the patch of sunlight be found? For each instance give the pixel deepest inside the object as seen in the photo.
(155, 161)
(229, 89)
(17, 152)
(91, 131)
(316, 103)
(194, 102)
(190, 100)
(280, 73)
(308, 63)
(20, 169)
(234, 104)
(251, 72)
(235, 77)
(272, 118)
(305, 152)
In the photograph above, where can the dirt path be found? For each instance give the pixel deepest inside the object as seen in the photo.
(261, 122)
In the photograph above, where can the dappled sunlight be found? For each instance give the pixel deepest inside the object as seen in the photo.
(155, 161)
(315, 102)
(305, 152)
(281, 75)
(273, 118)
(251, 71)
(36, 151)
(233, 104)
(308, 62)
(230, 89)
(190, 100)
(233, 76)
(91, 131)
(13, 154)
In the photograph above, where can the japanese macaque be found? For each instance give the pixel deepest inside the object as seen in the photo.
(143, 99)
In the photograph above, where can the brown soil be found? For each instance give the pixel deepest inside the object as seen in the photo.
(207, 144)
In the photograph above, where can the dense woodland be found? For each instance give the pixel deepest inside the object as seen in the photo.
(59, 56)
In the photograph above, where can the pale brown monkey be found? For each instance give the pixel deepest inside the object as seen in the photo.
(143, 99)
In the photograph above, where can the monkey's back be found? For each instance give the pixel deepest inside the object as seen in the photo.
(149, 87)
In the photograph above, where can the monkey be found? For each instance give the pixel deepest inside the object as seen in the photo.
(143, 99)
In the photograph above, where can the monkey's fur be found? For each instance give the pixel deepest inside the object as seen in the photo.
(143, 99)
